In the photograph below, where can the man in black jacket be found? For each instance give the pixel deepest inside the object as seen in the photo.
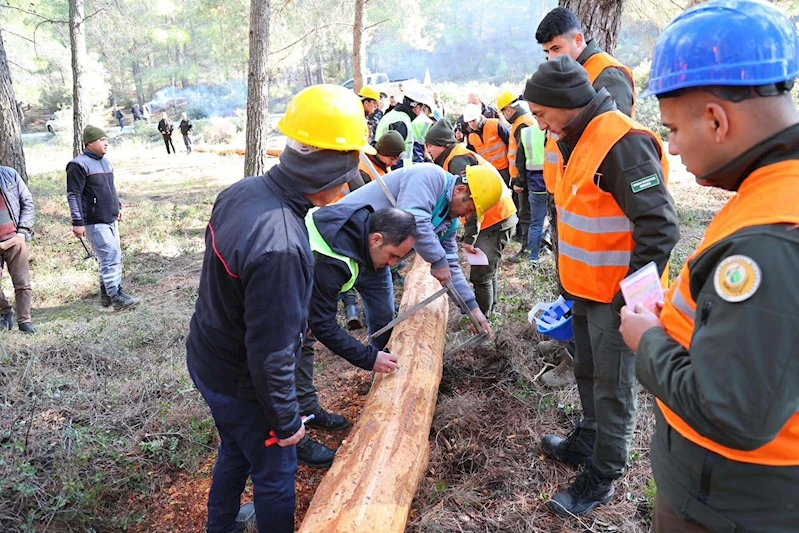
(616, 216)
(185, 129)
(166, 127)
(346, 239)
(251, 314)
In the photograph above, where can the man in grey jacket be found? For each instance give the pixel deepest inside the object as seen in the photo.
(437, 199)
(16, 222)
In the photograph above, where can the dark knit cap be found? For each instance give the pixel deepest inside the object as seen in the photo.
(561, 83)
(441, 134)
(91, 134)
(391, 144)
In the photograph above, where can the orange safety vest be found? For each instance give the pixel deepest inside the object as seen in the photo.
(595, 237)
(491, 147)
(764, 198)
(553, 162)
(513, 146)
(502, 209)
(369, 168)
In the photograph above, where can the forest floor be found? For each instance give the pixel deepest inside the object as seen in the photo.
(101, 428)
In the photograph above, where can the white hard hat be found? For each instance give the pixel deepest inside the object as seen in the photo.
(471, 112)
(420, 94)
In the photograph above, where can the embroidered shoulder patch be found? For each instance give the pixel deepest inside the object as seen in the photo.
(737, 278)
(645, 183)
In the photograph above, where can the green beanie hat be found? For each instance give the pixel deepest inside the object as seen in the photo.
(441, 134)
(391, 144)
(91, 134)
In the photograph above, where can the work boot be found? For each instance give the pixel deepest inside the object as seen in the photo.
(124, 301)
(245, 518)
(561, 375)
(575, 449)
(27, 327)
(7, 320)
(586, 492)
(105, 300)
(328, 421)
(314, 454)
(353, 317)
(550, 348)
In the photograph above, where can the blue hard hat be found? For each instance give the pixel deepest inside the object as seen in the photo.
(725, 42)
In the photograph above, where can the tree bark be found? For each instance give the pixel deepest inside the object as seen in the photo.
(137, 79)
(257, 89)
(77, 41)
(359, 44)
(601, 20)
(11, 152)
(375, 475)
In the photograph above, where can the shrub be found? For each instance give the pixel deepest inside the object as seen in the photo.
(219, 131)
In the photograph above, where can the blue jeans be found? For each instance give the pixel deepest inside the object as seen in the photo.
(538, 213)
(242, 453)
(377, 294)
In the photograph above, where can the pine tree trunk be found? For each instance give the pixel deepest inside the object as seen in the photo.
(11, 153)
(601, 20)
(137, 78)
(258, 89)
(359, 44)
(77, 41)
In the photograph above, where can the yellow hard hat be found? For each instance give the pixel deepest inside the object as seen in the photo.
(486, 187)
(505, 99)
(328, 117)
(369, 93)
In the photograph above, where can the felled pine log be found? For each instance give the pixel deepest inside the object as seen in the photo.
(271, 152)
(377, 470)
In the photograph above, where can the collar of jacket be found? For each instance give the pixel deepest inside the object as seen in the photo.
(345, 227)
(591, 48)
(377, 162)
(601, 103)
(91, 154)
(402, 108)
(781, 146)
(281, 185)
(443, 157)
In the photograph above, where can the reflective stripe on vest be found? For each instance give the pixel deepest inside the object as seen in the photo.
(320, 246)
(392, 117)
(533, 143)
(513, 147)
(502, 209)
(369, 168)
(595, 237)
(491, 146)
(597, 63)
(768, 196)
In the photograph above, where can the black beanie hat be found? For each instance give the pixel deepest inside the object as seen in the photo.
(441, 134)
(561, 83)
(391, 144)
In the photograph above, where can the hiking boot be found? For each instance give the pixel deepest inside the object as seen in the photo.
(245, 518)
(124, 301)
(586, 492)
(314, 454)
(353, 317)
(7, 320)
(27, 327)
(575, 449)
(329, 421)
(561, 375)
(105, 300)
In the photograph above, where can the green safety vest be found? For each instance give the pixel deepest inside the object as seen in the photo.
(393, 117)
(534, 143)
(320, 246)
(421, 125)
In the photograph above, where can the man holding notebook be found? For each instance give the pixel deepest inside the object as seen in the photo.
(615, 216)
